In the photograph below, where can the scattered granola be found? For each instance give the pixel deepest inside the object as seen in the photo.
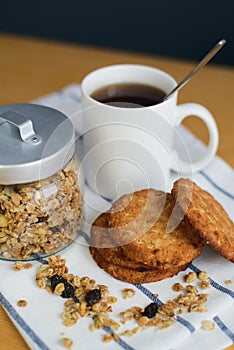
(127, 315)
(127, 333)
(40, 217)
(67, 343)
(191, 289)
(205, 284)
(191, 300)
(202, 275)
(177, 287)
(22, 303)
(91, 327)
(167, 324)
(152, 316)
(116, 337)
(167, 309)
(27, 266)
(143, 321)
(86, 298)
(19, 265)
(59, 288)
(190, 277)
(107, 338)
(208, 325)
(179, 312)
(128, 293)
(112, 300)
(197, 308)
(204, 280)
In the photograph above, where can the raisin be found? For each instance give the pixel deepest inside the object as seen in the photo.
(93, 296)
(68, 291)
(150, 310)
(56, 279)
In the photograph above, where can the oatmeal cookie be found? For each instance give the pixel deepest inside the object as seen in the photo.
(133, 276)
(207, 216)
(100, 239)
(153, 230)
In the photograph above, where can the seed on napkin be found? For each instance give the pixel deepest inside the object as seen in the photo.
(22, 303)
(208, 325)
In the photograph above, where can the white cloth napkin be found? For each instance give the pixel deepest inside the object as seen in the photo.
(40, 322)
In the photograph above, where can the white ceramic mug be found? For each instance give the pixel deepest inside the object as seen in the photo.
(127, 149)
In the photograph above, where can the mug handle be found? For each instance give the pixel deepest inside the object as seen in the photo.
(194, 109)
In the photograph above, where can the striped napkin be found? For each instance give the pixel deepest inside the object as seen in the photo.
(40, 322)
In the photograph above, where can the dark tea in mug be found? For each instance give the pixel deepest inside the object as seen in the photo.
(129, 95)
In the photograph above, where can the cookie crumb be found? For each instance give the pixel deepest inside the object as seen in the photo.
(67, 343)
(208, 325)
(228, 282)
(22, 303)
(128, 293)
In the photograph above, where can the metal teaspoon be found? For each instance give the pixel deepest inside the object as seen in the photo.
(200, 65)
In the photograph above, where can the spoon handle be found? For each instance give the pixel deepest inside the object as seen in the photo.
(200, 65)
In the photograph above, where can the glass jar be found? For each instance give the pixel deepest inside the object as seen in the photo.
(41, 204)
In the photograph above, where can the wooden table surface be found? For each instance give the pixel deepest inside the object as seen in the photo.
(30, 68)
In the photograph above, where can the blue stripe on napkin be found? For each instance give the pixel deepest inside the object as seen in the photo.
(224, 328)
(215, 185)
(20, 321)
(120, 341)
(148, 293)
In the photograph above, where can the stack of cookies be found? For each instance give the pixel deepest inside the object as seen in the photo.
(150, 235)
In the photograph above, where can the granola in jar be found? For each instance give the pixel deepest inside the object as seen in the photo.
(41, 205)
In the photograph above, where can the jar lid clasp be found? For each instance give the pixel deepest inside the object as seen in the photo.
(24, 125)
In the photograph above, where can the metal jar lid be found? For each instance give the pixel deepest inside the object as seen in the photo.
(35, 142)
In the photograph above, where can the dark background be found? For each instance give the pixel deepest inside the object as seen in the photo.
(182, 28)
